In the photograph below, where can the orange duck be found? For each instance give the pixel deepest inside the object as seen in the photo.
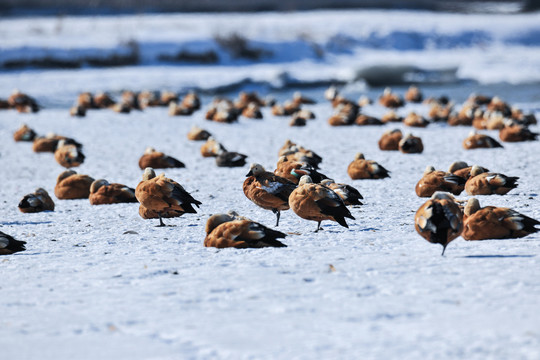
(318, 203)
(413, 95)
(390, 139)
(487, 183)
(198, 134)
(415, 120)
(268, 191)
(516, 133)
(50, 142)
(68, 155)
(101, 193)
(161, 195)
(411, 145)
(361, 168)
(495, 223)
(461, 169)
(8, 244)
(391, 116)
(363, 120)
(158, 160)
(231, 230)
(70, 185)
(434, 181)
(38, 201)
(24, 133)
(22, 102)
(476, 141)
(390, 100)
(212, 148)
(439, 220)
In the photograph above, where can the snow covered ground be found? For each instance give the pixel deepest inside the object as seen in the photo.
(87, 289)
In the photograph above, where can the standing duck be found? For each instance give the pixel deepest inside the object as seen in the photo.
(163, 196)
(439, 220)
(269, 191)
(361, 168)
(317, 202)
(481, 223)
(231, 230)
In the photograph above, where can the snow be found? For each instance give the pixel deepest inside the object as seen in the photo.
(101, 282)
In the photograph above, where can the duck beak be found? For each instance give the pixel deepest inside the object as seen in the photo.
(250, 173)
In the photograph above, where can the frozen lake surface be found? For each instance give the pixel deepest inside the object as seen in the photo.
(86, 289)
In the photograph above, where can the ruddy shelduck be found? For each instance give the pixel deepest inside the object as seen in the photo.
(476, 141)
(390, 139)
(8, 244)
(317, 202)
(347, 193)
(411, 144)
(68, 155)
(267, 190)
(102, 192)
(38, 201)
(482, 223)
(433, 181)
(24, 133)
(70, 185)
(439, 220)
(198, 134)
(231, 230)
(163, 195)
(361, 168)
(158, 160)
(488, 183)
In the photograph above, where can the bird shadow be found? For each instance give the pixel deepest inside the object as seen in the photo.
(26, 223)
(497, 256)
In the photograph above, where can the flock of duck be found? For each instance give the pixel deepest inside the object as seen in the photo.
(296, 182)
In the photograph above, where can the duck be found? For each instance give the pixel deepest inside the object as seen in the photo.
(191, 101)
(267, 190)
(230, 230)
(490, 222)
(317, 202)
(361, 168)
(363, 100)
(121, 107)
(298, 98)
(158, 160)
(49, 143)
(252, 111)
(212, 148)
(103, 100)
(390, 139)
(331, 93)
(297, 120)
(163, 196)
(476, 141)
(391, 116)
(22, 102)
(363, 120)
(9, 245)
(433, 181)
(415, 120)
(176, 109)
(293, 170)
(438, 112)
(129, 98)
(37, 201)
(86, 100)
(439, 220)
(70, 185)
(516, 133)
(77, 110)
(24, 133)
(148, 99)
(411, 144)
(102, 192)
(300, 154)
(488, 183)
(68, 155)
(347, 193)
(198, 134)
(413, 94)
(166, 97)
(462, 169)
(230, 159)
(390, 100)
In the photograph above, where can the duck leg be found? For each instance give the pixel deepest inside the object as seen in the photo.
(319, 226)
(275, 211)
(161, 223)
